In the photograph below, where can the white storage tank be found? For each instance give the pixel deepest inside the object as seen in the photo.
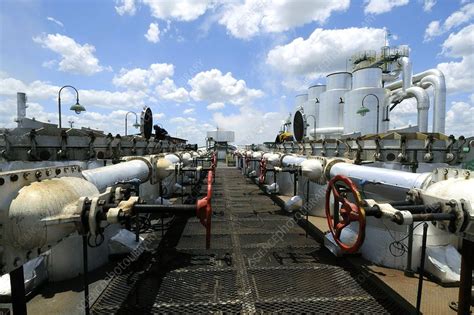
(332, 105)
(367, 89)
(312, 108)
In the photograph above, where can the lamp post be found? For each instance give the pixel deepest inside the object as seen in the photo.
(77, 108)
(364, 110)
(136, 124)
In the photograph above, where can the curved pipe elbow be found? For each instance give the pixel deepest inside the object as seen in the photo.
(423, 105)
(439, 104)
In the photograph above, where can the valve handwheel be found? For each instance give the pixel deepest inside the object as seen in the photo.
(345, 211)
(204, 210)
(263, 171)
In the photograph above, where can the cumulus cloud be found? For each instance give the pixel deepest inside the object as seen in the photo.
(382, 6)
(428, 5)
(183, 10)
(76, 58)
(188, 111)
(139, 79)
(125, 7)
(457, 18)
(167, 90)
(459, 119)
(250, 125)
(215, 106)
(325, 50)
(38, 91)
(247, 19)
(213, 86)
(153, 33)
(459, 75)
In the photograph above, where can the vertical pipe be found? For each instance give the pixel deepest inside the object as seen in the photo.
(85, 275)
(408, 271)
(422, 268)
(18, 295)
(465, 286)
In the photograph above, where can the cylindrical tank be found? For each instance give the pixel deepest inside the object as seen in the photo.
(366, 88)
(300, 100)
(312, 108)
(331, 104)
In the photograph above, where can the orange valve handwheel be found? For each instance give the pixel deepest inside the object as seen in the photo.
(263, 171)
(345, 211)
(204, 210)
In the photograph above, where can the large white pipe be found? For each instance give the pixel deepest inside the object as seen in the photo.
(290, 160)
(439, 104)
(382, 176)
(423, 105)
(407, 72)
(415, 79)
(106, 176)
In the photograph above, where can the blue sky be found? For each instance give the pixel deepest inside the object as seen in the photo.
(233, 64)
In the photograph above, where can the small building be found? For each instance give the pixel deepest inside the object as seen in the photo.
(220, 140)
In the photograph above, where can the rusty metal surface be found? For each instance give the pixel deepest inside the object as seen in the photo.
(260, 261)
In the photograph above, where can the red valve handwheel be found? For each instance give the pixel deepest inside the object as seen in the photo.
(263, 171)
(204, 210)
(345, 210)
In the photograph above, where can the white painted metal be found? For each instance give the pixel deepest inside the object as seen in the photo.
(423, 105)
(439, 103)
(331, 108)
(292, 160)
(312, 169)
(381, 176)
(41, 200)
(300, 100)
(367, 87)
(109, 175)
(312, 107)
(407, 72)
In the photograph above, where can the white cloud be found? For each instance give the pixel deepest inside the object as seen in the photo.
(57, 22)
(215, 106)
(76, 58)
(324, 50)
(213, 86)
(382, 6)
(153, 33)
(183, 10)
(250, 125)
(139, 79)
(244, 20)
(167, 90)
(428, 5)
(459, 119)
(458, 74)
(40, 91)
(126, 7)
(188, 111)
(457, 18)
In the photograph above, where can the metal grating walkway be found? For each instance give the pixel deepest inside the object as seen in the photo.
(260, 261)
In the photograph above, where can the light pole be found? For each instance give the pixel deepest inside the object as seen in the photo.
(364, 110)
(136, 124)
(77, 108)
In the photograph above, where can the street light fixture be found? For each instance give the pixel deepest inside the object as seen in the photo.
(77, 108)
(364, 110)
(136, 124)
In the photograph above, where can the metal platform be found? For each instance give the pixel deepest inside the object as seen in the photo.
(260, 261)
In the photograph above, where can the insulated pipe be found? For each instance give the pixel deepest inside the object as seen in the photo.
(415, 79)
(106, 176)
(382, 176)
(423, 104)
(439, 104)
(290, 160)
(407, 72)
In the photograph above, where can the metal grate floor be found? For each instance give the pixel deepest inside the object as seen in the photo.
(260, 261)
